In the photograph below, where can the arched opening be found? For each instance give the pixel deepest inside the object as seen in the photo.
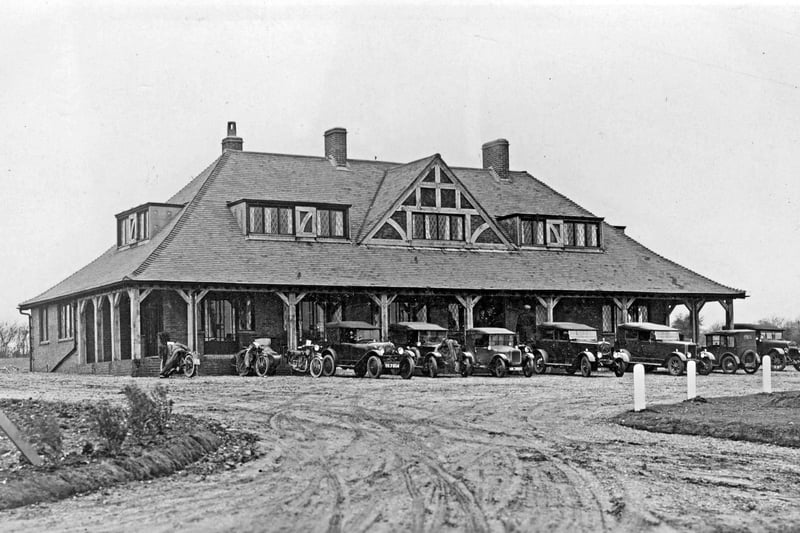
(88, 320)
(105, 314)
(125, 326)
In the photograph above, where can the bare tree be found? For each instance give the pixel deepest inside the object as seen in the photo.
(13, 339)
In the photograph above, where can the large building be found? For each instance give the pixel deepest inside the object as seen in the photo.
(272, 245)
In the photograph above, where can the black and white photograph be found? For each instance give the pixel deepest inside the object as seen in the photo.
(348, 266)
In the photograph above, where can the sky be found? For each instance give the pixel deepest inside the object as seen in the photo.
(682, 124)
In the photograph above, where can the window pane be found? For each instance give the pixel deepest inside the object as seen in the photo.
(427, 197)
(323, 222)
(443, 221)
(270, 220)
(285, 222)
(448, 197)
(554, 235)
(526, 236)
(418, 221)
(580, 234)
(305, 221)
(430, 227)
(591, 230)
(337, 225)
(457, 228)
(569, 234)
(256, 220)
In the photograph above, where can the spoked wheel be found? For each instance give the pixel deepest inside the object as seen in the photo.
(586, 367)
(374, 367)
(620, 366)
(407, 368)
(778, 361)
(188, 366)
(728, 364)
(750, 363)
(538, 364)
(315, 368)
(432, 367)
(675, 365)
(500, 369)
(328, 365)
(704, 366)
(262, 366)
(241, 368)
(527, 368)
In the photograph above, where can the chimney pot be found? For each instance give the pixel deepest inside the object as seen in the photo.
(495, 156)
(336, 146)
(232, 142)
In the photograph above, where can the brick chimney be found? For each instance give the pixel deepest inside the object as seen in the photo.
(495, 156)
(232, 142)
(336, 146)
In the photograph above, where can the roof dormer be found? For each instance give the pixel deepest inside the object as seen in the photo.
(138, 224)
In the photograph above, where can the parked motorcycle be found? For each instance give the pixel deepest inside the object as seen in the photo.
(307, 360)
(188, 362)
(258, 358)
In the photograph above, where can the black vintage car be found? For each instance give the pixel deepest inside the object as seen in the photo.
(354, 345)
(496, 350)
(770, 342)
(433, 352)
(734, 349)
(657, 345)
(570, 346)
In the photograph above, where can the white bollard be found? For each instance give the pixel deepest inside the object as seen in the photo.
(638, 387)
(766, 374)
(691, 379)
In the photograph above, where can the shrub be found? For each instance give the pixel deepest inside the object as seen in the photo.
(148, 413)
(112, 425)
(45, 433)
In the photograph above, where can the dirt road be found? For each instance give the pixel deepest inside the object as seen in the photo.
(477, 454)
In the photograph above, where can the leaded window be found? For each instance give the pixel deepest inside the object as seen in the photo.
(66, 323)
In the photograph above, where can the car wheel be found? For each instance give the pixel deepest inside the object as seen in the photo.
(328, 365)
(500, 369)
(374, 367)
(189, 368)
(586, 367)
(728, 364)
(407, 368)
(796, 366)
(620, 366)
(466, 368)
(778, 361)
(675, 365)
(704, 366)
(538, 364)
(750, 362)
(431, 368)
(315, 367)
(527, 368)
(262, 365)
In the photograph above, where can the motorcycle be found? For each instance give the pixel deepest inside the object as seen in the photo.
(188, 362)
(306, 360)
(258, 358)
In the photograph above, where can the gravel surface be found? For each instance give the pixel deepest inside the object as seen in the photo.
(512, 454)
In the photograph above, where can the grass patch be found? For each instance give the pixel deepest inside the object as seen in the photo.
(768, 418)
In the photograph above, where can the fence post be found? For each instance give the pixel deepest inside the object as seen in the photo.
(691, 379)
(766, 374)
(638, 387)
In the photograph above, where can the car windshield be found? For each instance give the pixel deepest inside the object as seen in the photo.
(432, 337)
(583, 335)
(358, 335)
(772, 335)
(667, 335)
(500, 340)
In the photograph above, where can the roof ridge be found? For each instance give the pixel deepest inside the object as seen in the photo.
(318, 157)
(399, 165)
(186, 213)
(670, 261)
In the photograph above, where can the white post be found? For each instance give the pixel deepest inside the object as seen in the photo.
(691, 379)
(638, 387)
(766, 374)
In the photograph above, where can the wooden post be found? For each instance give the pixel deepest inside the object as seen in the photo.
(98, 328)
(191, 337)
(469, 307)
(80, 333)
(549, 303)
(728, 306)
(383, 301)
(198, 320)
(19, 441)
(670, 308)
(137, 296)
(624, 305)
(695, 306)
(291, 299)
(116, 343)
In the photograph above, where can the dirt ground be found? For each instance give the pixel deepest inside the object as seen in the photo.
(474, 454)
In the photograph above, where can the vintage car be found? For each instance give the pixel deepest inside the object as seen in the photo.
(354, 345)
(770, 341)
(657, 345)
(433, 352)
(495, 350)
(570, 346)
(734, 349)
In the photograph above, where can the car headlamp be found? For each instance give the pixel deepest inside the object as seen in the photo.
(400, 350)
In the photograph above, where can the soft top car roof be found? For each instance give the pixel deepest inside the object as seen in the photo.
(352, 324)
(730, 331)
(491, 331)
(646, 326)
(769, 327)
(418, 326)
(567, 325)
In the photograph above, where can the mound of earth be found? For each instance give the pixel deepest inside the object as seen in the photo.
(767, 418)
(84, 465)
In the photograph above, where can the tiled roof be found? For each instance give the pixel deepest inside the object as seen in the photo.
(205, 244)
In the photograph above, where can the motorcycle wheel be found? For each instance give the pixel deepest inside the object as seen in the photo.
(315, 368)
(188, 366)
(241, 369)
(262, 366)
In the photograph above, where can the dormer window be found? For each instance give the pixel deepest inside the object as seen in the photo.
(132, 228)
(552, 232)
(289, 220)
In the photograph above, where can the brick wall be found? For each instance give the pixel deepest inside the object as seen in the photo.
(47, 355)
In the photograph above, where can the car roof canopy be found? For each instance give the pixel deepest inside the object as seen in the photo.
(417, 326)
(646, 326)
(491, 331)
(769, 327)
(351, 324)
(730, 331)
(567, 325)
